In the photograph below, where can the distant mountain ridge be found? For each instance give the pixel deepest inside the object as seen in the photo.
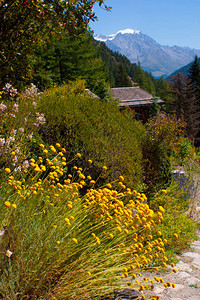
(184, 69)
(154, 58)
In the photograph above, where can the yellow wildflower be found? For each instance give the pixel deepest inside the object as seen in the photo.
(43, 168)
(7, 203)
(7, 170)
(37, 169)
(175, 235)
(67, 221)
(14, 205)
(162, 210)
(172, 264)
(75, 240)
(164, 191)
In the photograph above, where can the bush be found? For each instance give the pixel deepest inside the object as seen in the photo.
(96, 129)
(165, 144)
(20, 122)
(177, 227)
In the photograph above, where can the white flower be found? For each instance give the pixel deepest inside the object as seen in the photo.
(30, 136)
(2, 106)
(34, 104)
(13, 132)
(40, 119)
(15, 107)
(25, 164)
(2, 142)
(18, 169)
(8, 253)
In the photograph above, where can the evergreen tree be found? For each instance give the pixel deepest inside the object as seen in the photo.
(194, 76)
(70, 57)
(186, 104)
(122, 79)
(194, 72)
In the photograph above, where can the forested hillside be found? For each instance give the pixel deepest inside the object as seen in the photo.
(67, 58)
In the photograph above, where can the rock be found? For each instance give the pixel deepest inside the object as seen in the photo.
(126, 294)
(181, 266)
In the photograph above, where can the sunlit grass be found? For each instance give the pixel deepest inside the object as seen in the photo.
(67, 246)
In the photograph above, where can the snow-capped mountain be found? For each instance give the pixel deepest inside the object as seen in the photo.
(154, 58)
(104, 38)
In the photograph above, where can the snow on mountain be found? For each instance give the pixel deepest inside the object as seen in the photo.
(104, 38)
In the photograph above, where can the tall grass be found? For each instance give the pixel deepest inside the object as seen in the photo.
(58, 245)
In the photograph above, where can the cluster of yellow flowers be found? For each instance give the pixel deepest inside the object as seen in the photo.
(120, 222)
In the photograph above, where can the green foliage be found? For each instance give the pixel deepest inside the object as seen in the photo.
(164, 141)
(186, 102)
(175, 201)
(68, 57)
(122, 77)
(94, 128)
(26, 23)
(20, 122)
(194, 72)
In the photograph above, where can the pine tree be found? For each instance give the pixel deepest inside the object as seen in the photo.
(122, 79)
(194, 72)
(71, 57)
(186, 105)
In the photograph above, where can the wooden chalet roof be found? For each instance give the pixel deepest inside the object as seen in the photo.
(91, 94)
(133, 96)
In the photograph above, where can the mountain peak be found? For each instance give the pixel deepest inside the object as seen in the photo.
(131, 31)
(104, 38)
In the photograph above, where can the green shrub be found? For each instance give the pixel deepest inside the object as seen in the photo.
(96, 129)
(165, 144)
(175, 202)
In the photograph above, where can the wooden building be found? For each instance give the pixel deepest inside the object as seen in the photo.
(137, 99)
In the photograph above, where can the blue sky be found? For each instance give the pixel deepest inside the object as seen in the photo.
(169, 22)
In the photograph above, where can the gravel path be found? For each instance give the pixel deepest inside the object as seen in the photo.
(187, 278)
